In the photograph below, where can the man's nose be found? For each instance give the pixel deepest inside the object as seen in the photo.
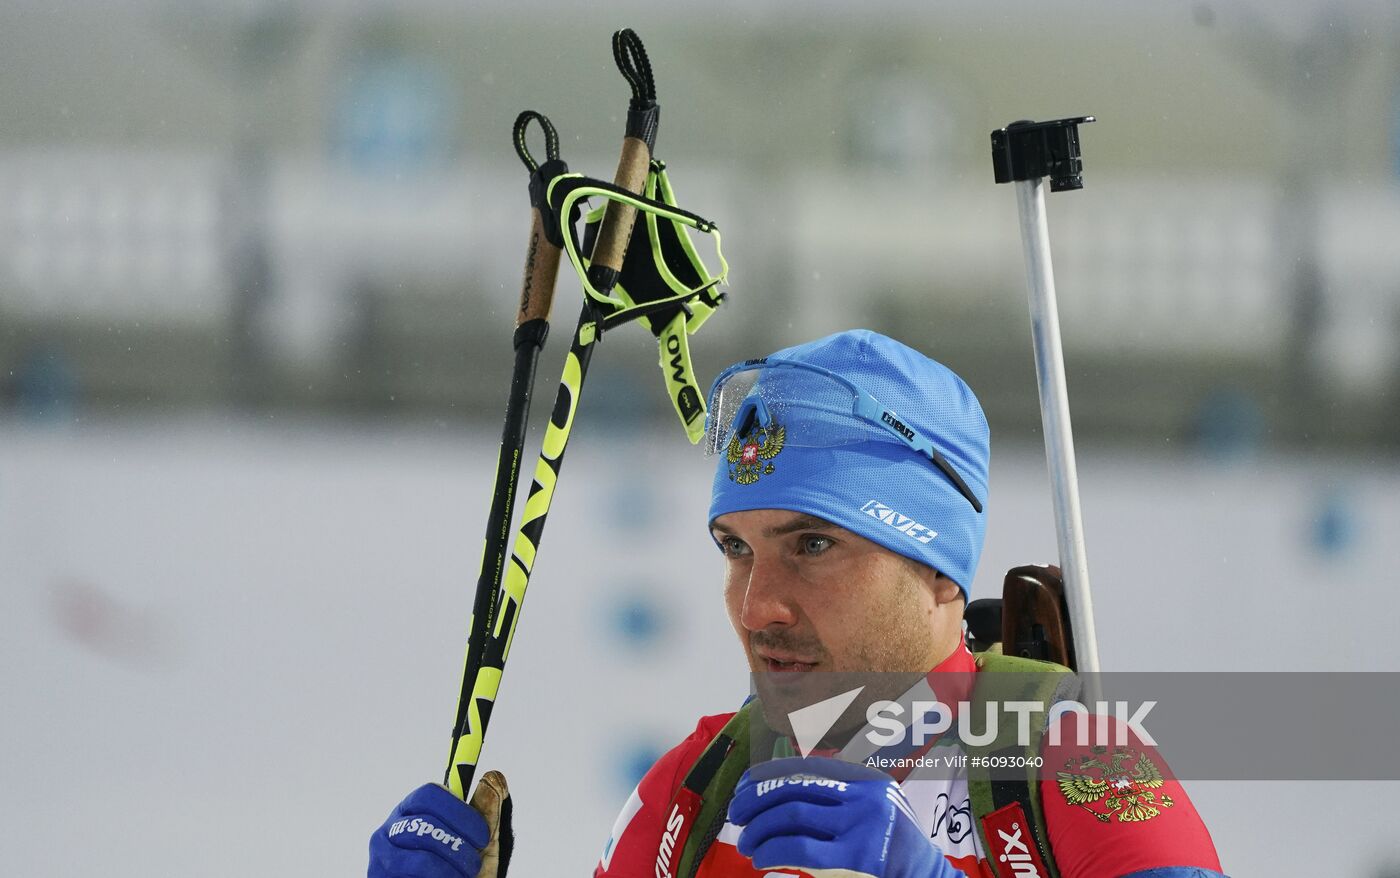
(768, 598)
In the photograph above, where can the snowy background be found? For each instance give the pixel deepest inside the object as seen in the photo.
(230, 647)
(258, 262)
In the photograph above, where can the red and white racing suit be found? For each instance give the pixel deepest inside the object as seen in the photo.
(1085, 842)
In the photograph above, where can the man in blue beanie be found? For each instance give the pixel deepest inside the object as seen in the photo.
(849, 503)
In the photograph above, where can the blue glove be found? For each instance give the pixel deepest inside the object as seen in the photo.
(430, 834)
(818, 814)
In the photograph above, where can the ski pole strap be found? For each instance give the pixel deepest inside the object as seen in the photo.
(673, 294)
(664, 283)
(565, 193)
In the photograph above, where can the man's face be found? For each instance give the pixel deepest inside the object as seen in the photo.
(806, 595)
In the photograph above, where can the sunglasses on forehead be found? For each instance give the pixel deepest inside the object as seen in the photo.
(749, 393)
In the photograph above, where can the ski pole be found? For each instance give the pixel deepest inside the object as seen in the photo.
(1028, 152)
(482, 677)
(531, 329)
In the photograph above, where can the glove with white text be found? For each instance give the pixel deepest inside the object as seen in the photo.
(434, 834)
(828, 817)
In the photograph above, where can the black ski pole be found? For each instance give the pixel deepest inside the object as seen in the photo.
(531, 329)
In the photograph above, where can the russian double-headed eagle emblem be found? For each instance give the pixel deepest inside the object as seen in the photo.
(750, 454)
(1126, 785)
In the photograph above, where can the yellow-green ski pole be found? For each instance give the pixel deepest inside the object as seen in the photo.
(482, 677)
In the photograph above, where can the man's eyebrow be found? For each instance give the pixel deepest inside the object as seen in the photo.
(802, 522)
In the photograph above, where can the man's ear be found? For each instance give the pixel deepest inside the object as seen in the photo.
(945, 590)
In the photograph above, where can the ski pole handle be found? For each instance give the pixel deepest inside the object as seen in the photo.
(618, 219)
(643, 116)
(545, 244)
(541, 272)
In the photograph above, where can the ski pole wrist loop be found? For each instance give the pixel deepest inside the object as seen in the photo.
(551, 139)
(643, 113)
(632, 61)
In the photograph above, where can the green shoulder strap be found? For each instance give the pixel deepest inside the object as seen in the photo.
(1004, 678)
(718, 790)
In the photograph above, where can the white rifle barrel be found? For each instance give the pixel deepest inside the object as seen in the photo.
(1059, 439)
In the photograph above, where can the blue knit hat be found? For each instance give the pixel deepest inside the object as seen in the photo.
(861, 431)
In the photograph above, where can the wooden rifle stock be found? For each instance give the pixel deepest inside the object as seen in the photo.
(1031, 620)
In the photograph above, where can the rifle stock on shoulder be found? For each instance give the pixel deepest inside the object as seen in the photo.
(1030, 620)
